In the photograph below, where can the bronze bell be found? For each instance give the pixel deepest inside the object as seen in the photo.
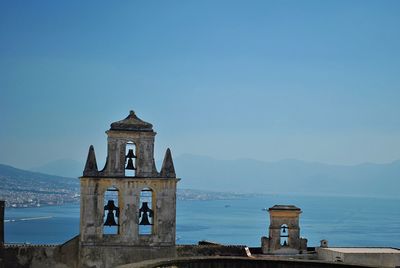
(130, 154)
(130, 165)
(110, 207)
(145, 212)
(110, 221)
(145, 220)
(284, 229)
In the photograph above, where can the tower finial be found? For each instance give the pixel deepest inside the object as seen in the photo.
(91, 164)
(167, 169)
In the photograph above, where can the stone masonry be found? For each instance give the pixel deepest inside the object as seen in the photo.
(127, 245)
(284, 223)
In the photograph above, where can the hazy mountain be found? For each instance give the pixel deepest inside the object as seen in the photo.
(288, 176)
(12, 178)
(61, 167)
(21, 188)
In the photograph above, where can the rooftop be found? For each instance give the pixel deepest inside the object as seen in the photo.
(132, 123)
(284, 207)
(365, 250)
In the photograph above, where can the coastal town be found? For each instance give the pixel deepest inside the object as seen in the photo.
(23, 189)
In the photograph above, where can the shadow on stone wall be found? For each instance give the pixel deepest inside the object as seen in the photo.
(21, 256)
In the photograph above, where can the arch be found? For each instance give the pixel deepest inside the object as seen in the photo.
(130, 159)
(146, 211)
(111, 211)
(284, 235)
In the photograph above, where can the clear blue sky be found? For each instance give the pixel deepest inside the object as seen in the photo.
(269, 80)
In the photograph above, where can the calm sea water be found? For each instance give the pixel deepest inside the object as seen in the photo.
(343, 221)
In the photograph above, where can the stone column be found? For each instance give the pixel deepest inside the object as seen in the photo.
(2, 203)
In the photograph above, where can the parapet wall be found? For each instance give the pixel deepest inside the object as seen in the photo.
(235, 262)
(111, 256)
(379, 259)
(210, 250)
(41, 256)
(31, 256)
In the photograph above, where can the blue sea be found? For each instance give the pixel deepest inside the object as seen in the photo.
(343, 221)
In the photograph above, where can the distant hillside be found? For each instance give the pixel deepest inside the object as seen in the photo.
(21, 188)
(288, 177)
(11, 177)
(282, 177)
(61, 167)
(25, 188)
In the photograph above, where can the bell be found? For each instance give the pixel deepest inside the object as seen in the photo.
(285, 243)
(110, 207)
(145, 212)
(284, 230)
(145, 220)
(130, 154)
(130, 165)
(110, 221)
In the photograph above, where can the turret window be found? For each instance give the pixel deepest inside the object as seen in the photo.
(130, 159)
(284, 235)
(146, 212)
(111, 211)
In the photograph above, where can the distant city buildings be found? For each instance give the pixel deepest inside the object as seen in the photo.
(23, 198)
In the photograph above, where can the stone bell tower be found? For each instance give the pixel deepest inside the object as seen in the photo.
(128, 209)
(284, 231)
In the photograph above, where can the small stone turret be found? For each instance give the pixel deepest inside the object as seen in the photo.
(284, 231)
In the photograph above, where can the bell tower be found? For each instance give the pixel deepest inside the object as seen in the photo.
(284, 231)
(128, 208)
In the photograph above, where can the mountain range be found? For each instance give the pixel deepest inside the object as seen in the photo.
(281, 177)
(289, 177)
(13, 178)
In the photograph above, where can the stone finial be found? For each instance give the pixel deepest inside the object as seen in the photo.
(91, 164)
(168, 170)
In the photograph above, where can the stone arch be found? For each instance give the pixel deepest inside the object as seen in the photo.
(111, 211)
(284, 235)
(146, 213)
(130, 158)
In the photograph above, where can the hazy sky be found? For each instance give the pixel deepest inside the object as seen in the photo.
(269, 80)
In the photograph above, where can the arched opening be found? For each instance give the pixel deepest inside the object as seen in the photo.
(111, 211)
(130, 159)
(284, 235)
(146, 212)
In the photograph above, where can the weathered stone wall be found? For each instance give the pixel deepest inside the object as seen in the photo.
(40, 256)
(164, 207)
(111, 256)
(144, 142)
(210, 250)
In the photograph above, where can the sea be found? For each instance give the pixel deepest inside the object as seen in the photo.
(343, 221)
